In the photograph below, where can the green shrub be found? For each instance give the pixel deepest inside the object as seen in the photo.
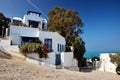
(30, 48)
(18, 24)
(115, 58)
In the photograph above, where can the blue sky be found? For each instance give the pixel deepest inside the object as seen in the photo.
(101, 18)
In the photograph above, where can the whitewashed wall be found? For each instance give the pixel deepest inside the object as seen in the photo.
(56, 39)
(50, 60)
(40, 20)
(33, 56)
(26, 19)
(105, 64)
(66, 59)
(24, 31)
(5, 46)
(16, 32)
(16, 40)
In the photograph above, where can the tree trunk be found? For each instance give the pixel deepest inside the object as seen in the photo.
(79, 64)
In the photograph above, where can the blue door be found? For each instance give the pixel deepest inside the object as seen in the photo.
(58, 59)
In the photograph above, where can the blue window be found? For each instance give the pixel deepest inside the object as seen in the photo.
(58, 47)
(62, 47)
(28, 39)
(33, 24)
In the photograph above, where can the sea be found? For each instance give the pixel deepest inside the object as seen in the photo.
(91, 54)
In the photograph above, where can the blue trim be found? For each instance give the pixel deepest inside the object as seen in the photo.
(58, 47)
(58, 59)
(33, 12)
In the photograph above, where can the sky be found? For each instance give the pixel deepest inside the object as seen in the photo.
(101, 18)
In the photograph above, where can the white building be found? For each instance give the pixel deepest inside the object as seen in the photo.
(105, 64)
(36, 30)
(35, 20)
(20, 35)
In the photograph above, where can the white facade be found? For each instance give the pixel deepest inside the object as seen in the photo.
(17, 32)
(37, 30)
(105, 64)
(40, 21)
(56, 39)
(49, 60)
(33, 19)
(68, 61)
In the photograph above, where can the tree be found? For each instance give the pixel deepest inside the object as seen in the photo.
(4, 21)
(79, 50)
(68, 24)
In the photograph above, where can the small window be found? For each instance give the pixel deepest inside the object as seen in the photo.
(58, 47)
(62, 47)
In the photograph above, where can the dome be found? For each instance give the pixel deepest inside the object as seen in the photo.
(44, 20)
(17, 18)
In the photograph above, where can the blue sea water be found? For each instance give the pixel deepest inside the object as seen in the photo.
(91, 54)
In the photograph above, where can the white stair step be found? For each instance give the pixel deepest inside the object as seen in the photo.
(5, 42)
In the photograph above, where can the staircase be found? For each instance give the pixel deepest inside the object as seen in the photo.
(11, 49)
(5, 46)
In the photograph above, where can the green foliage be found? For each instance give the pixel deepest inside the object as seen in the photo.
(115, 58)
(64, 21)
(68, 24)
(4, 21)
(84, 60)
(30, 48)
(79, 48)
(18, 24)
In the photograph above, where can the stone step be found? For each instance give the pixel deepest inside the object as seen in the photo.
(5, 42)
(5, 45)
